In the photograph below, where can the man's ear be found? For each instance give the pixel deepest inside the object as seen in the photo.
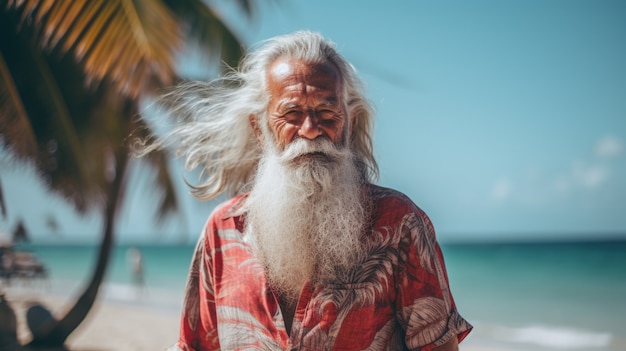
(254, 123)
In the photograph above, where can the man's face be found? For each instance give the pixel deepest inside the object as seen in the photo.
(305, 102)
(308, 176)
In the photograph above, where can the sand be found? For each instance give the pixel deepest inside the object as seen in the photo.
(116, 326)
(109, 326)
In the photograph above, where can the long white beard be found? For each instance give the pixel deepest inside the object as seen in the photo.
(306, 214)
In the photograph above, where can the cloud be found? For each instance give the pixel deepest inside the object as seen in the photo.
(589, 174)
(609, 146)
(590, 177)
(501, 189)
(595, 173)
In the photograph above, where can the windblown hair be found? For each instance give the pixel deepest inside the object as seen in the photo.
(213, 129)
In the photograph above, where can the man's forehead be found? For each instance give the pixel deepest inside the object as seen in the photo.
(290, 71)
(281, 69)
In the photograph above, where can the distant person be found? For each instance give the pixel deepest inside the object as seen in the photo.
(135, 262)
(309, 254)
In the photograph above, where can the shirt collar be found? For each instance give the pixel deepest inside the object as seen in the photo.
(238, 208)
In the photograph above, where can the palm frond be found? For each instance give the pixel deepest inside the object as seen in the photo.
(15, 127)
(246, 7)
(39, 110)
(67, 136)
(132, 43)
(209, 29)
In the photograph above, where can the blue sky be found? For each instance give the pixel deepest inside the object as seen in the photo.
(503, 120)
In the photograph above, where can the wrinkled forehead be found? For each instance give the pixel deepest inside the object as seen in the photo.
(290, 71)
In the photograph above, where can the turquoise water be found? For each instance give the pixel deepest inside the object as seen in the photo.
(542, 296)
(557, 296)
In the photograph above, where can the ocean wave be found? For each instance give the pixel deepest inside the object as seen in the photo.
(554, 337)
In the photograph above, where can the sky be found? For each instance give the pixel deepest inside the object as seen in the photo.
(502, 120)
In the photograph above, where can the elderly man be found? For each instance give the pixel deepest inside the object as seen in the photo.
(308, 254)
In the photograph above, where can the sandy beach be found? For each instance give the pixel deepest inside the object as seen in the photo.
(115, 326)
(110, 326)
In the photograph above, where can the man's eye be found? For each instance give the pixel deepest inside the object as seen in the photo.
(293, 115)
(326, 114)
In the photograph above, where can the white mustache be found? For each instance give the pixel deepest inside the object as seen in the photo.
(302, 146)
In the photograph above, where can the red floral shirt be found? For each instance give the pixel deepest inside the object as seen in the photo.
(399, 298)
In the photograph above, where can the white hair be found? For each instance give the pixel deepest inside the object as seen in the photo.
(214, 131)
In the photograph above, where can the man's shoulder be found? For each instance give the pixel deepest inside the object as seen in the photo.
(387, 195)
(387, 200)
(229, 208)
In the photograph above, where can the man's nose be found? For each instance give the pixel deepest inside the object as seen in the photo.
(310, 128)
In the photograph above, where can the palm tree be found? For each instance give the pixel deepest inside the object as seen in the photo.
(72, 76)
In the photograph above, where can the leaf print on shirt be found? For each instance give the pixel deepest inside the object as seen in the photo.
(417, 230)
(427, 319)
(365, 283)
(240, 330)
(192, 298)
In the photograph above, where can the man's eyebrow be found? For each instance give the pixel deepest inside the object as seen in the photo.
(287, 104)
(331, 101)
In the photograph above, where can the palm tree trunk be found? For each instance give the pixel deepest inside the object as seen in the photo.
(66, 325)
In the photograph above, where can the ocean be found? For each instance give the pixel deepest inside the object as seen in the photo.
(542, 296)
(519, 297)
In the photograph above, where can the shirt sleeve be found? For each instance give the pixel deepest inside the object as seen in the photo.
(198, 327)
(424, 303)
